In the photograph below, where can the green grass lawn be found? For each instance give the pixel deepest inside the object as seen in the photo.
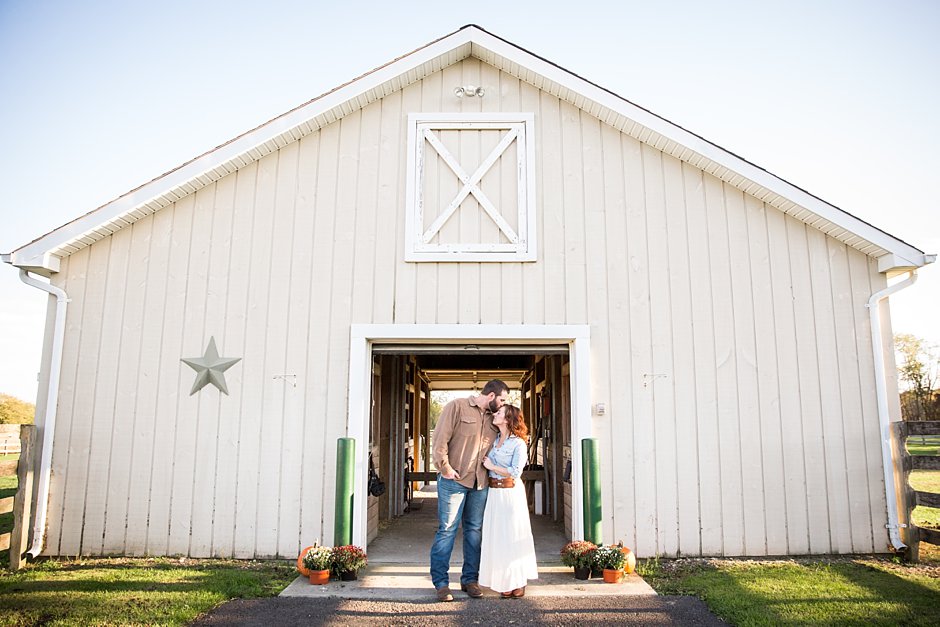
(132, 591)
(927, 445)
(841, 591)
(926, 481)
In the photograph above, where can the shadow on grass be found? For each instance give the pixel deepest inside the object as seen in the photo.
(818, 594)
(99, 593)
(194, 583)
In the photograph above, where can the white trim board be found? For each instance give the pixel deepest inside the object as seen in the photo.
(362, 336)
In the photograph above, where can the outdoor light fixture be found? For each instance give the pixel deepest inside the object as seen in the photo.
(469, 90)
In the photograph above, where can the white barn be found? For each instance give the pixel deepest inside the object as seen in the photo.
(465, 211)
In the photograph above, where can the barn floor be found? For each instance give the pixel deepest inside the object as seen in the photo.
(407, 539)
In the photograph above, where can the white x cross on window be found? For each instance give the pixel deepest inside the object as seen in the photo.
(470, 185)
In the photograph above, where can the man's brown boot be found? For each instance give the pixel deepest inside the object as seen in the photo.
(443, 594)
(472, 589)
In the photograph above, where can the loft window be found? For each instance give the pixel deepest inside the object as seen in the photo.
(471, 187)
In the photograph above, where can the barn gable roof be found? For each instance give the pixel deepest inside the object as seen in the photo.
(43, 254)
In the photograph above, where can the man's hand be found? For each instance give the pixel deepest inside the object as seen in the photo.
(453, 475)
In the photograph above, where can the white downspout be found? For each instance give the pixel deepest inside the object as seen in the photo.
(52, 401)
(884, 419)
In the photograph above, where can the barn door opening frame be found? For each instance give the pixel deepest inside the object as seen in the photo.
(363, 336)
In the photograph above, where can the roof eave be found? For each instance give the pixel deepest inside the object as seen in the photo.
(46, 264)
(604, 104)
(698, 151)
(242, 150)
(893, 265)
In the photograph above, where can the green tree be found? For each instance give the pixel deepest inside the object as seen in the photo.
(13, 411)
(435, 408)
(918, 368)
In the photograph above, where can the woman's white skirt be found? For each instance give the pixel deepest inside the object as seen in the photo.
(507, 553)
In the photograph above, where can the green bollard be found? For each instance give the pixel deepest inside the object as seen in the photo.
(345, 479)
(591, 481)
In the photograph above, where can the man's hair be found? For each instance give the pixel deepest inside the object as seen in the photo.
(495, 386)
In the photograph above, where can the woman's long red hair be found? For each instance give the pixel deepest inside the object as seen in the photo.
(516, 422)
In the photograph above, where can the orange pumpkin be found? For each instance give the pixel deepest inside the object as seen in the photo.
(629, 563)
(300, 562)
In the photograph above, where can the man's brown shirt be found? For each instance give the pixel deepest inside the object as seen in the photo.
(463, 436)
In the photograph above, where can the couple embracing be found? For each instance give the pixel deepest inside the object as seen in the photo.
(479, 449)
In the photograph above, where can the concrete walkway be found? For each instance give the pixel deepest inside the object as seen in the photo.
(411, 582)
(398, 567)
(395, 589)
(408, 538)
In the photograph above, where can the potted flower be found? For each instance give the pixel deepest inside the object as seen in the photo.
(580, 555)
(317, 561)
(347, 560)
(610, 559)
(303, 570)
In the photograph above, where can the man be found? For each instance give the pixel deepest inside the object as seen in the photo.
(462, 438)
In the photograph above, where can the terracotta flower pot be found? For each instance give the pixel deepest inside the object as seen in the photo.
(319, 577)
(613, 576)
(582, 573)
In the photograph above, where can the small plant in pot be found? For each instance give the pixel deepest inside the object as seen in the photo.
(611, 560)
(347, 560)
(317, 561)
(579, 555)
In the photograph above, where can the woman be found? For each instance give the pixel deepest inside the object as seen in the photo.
(507, 556)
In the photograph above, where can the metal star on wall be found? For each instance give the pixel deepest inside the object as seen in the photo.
(209, 368)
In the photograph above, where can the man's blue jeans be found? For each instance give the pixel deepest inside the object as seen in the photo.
(457, 504)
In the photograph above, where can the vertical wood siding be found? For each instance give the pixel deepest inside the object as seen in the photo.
(729, 341)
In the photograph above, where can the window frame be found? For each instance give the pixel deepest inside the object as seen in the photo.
(525, 246)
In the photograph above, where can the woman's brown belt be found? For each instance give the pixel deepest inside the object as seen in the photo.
(506, 482)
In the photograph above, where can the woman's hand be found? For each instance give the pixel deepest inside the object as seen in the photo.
(488, 463)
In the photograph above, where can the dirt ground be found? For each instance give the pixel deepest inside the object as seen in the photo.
(648, 610)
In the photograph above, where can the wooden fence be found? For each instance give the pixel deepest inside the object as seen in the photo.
(17, 540)
(911, 498)
(10, 442)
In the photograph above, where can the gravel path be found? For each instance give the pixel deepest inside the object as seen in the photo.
(647, 610)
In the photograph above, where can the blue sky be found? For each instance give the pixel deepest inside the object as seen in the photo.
(839, 98)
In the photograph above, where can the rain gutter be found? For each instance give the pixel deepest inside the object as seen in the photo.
(52, 402)
(884, 419)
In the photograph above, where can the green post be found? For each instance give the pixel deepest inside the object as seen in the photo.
(591, 481)
(345, 479)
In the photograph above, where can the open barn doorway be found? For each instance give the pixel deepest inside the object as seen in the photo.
(410, 383)
(367, 340)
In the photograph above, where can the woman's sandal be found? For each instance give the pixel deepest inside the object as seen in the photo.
(506, 595)
(518, 593)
